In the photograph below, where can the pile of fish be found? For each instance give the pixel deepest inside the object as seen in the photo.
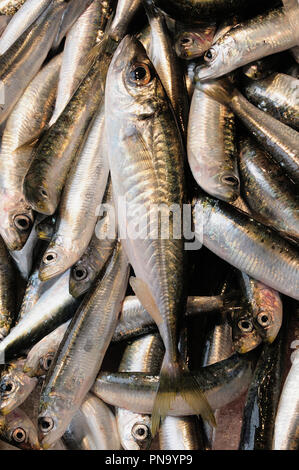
(118, 330)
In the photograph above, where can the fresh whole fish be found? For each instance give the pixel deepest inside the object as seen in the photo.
(8, 278)
(268, 33)
(222, 383)
(280, 140)
(93, 427)
(19, 431)
(25, 16)
(24, 58)
(211, 147)
(79, 42)
(143, 355)
(166, 64)
(191, 43)
(145, 152)
(82, 194)
(99, 250)
(54, 307)
(125, 11)
(248, 245)
(57, 148)
(269, 193)
(25, 123)
(15, 386)
(180, 433)
(286, 429)
(82, 350)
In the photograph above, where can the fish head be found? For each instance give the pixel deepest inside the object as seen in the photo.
(57, 259)
(38, 362)
(245, 336)
(218, 59)
(132, 84)
(45, 228)
(267, 312)
(19, 431)
(81, 277)
(56, 413)
(134, 430)
(15, 386)
(193, 43)
(16, 221)
(38, 193)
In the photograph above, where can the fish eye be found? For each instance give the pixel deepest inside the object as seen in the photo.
(140, 74)
(19, 435)
(49, 257)
(79, 273)
(22, 222)
(45, 424)
(245, 325)
(46, 361)
(44, 193)
(7, 387)
(210, 55)
(140, 431)
(186, 41)
(263, 319)
(231, 180)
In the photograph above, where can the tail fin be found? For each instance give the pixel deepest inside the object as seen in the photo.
(175, 378)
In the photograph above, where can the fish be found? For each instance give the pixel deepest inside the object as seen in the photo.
(286, 427)
(24, 58)
(58, 146)
(277, 95)
(55, 307)
(93, 427)
(189, 77)
(247, 245)
(193, 42)
(211, 147)
(222, 383)
(278, 139)
(10, 7)
(21, 21)
(167, 65)
(15, 386)
(146, 158)
(180, 433)
(125, 11)
(99, 250)
(196, 10)
(262, 397)
(269, 193)
(41, 355)
(26, 122)
(8, 283)
(142, 355)
(266, 34)
(80, 40)
(80, 355)
(135, 321)
(81, 196)
(19, 431)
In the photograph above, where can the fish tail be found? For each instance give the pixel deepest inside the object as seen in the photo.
(175, 378)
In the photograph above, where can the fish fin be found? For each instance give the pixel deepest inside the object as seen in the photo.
(146, 298)
(29, 144)
(221, 90)
(175, 378)
(151, 10)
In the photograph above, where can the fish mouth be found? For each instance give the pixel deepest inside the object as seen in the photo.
(202, 73)
(46, 273)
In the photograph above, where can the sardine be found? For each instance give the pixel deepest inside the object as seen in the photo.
(277, 95)
(25, 123)
(15, 386)
(24, 18)
(180, 433)
(211, 147)
(269, 193)
(192, 42)
(146, 164)
(82, 350)
(248, 245)
(222, 383)
(125, 11)
(8, 278)
(19, 431)
(82, 194)
(266, 34)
